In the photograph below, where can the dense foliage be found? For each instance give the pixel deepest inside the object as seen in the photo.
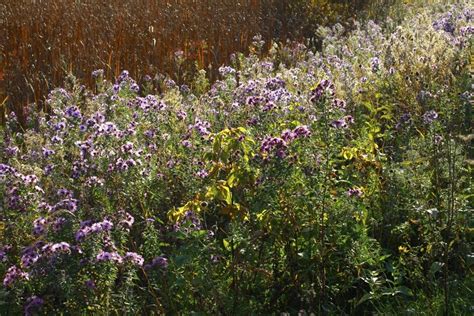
(335, 181)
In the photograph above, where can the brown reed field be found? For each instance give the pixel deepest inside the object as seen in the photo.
(43, 40)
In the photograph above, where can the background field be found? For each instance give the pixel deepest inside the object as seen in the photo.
(43, 40)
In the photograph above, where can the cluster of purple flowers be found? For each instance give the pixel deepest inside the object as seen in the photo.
(87, 228)
(343, 122)
(430, 116)
(354, 192)
(189, 223)
(445, 23)
(133, 258)
(324, 87)
(14, 273)
(375, 64)
(127, 220)
(109, 256)
(226, 70)
(73, 112)
(276, 144)
(200, 126)
(98, 73)
(280, 144)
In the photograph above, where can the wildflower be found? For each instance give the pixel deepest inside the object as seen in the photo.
(302, 131)
(186, 143)
(39, 226)
(202, 173)
(288, 135)
(339, 124)
(226, 70)
(354, 192)
(181, 115)
(109, 256)
(324, 87)
(61, 247)
(123, 76)
(98, 73)
(349, 119)
(73, 112)
(48, 169)
(134, 258)
(13, 274)
(66, 204)
(29, 258)
(11, 151)
(6, 169)
(430, 116)
(275, 83)
(169, 83)
(274, 143)
(103, 226)
(340, 104)
(128, 221)
(135, 87)
(57, 140)
(375, 64)
(58, 223)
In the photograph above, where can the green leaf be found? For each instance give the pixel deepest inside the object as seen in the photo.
(226, 244)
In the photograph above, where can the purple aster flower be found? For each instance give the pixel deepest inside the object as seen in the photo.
(128, 220)
(109, 256)
(56, 140)
(181, 115)
(325, 87)
(430, 116)
(275, 83)
(58, 223)
(339, 124)
(133, 258)
(375, 64)
(186, 143)
(123, 76)
(39, 226)
(135, 87)
(302, 131)
(29, 258)
(349, 119)
(98, 73)
(202, 173)
(341, 104)
(13, 274)
(354, 192)
(288, 135)
(11, 151)
(61, 247)
(226, 70)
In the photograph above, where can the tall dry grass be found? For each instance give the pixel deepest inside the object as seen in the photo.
(42, 40)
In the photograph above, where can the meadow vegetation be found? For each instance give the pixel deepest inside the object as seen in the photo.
(330, 181)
